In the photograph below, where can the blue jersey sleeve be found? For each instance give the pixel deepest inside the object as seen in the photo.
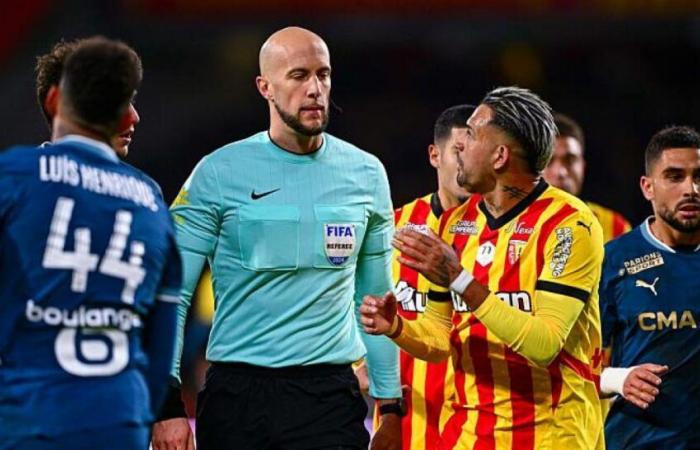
(373, 276)
(160, 331)
(608, 309)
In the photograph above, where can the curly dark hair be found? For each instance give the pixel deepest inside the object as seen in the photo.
(99, 80)
(48, 72)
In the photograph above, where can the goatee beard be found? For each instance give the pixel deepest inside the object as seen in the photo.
(296, 125)
(690, 226)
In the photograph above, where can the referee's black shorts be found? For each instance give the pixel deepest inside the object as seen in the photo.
(244, 407)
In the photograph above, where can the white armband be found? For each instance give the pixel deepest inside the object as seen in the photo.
(459, 285)
(613, 379)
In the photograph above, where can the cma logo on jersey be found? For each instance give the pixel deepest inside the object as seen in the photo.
(339, 242)
(660, 320)
(645, 262)
(412, 300)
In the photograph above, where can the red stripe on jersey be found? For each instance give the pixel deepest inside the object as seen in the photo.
(407, 379)
(618, 225)
(454, 425)
(397, 215)
(434, 398)
(546, 229)
(479, 352)
(419, 216)
(522, 395)
(556, 381)
(579, 367)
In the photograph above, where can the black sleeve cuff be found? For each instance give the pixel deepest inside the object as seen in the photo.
(438, 296)
(173, 407)
(563, 289)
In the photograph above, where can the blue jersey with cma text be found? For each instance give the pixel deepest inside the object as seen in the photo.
(650, 308)
(89, 278)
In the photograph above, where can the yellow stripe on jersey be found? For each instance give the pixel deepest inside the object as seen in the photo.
(528, 359)
(612, 222)
(429, 384)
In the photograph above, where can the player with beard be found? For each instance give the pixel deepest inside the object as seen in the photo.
(429, 384)
(296, 225)
(48, 74)
(650, 305)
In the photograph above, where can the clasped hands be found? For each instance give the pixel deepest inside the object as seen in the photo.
(427, 254)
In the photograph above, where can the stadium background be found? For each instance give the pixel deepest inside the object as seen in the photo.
(622, 68)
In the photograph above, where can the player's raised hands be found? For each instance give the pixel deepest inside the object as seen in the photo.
(642, 384)
(378, 313)
(427, 254)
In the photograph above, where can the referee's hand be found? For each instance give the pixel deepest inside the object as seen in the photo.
(378, 313)
(172, 434)
(641, 384)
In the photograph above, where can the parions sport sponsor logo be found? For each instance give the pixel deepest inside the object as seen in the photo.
(418, 227)
(562, 250)
(83, 317)
(644, 262)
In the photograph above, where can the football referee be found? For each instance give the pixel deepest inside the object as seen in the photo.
(296, 225)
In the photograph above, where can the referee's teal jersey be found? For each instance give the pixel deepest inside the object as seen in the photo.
(294, 243)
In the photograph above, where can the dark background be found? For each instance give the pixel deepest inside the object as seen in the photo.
(623, 68)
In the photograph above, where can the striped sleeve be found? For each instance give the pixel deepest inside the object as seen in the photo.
(571, 270)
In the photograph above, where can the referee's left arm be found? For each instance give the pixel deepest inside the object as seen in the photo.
(373, 276)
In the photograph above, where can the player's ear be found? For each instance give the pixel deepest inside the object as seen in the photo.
(263, 86)
(647, 186)
(434, 155)
(51, 101)
(501, 156)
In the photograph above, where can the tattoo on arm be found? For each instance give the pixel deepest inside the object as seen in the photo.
(514, 192)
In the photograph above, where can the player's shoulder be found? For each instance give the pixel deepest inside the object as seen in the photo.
(410, 206)
(567, 203)
(138, 173)
(18, 157)
(627, 244)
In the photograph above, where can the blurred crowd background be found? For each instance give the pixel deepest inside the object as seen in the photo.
(622, 68)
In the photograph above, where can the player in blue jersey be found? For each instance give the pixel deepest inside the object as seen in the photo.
(48, 70)
(650, 306)
(89, 272)
(296, 225)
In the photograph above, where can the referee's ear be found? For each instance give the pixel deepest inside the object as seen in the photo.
(263, 86)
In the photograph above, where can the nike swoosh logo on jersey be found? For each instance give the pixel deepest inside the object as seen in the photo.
(255, 196)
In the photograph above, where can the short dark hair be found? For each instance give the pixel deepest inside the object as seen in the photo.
(568, 127)
(526, 118)
(453, 117)
(48, 72)
(99, 80)
(673, 136)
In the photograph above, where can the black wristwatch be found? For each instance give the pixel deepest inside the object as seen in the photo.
(398, 407)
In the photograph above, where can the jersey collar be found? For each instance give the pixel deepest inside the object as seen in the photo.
(91, 144)
(653, 240)
(435, 205)
(495, 223)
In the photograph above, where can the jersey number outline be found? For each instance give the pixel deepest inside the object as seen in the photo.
(93, 352)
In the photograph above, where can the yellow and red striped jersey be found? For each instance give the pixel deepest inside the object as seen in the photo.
(613, 223)
(541, 256)
(430, 384)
